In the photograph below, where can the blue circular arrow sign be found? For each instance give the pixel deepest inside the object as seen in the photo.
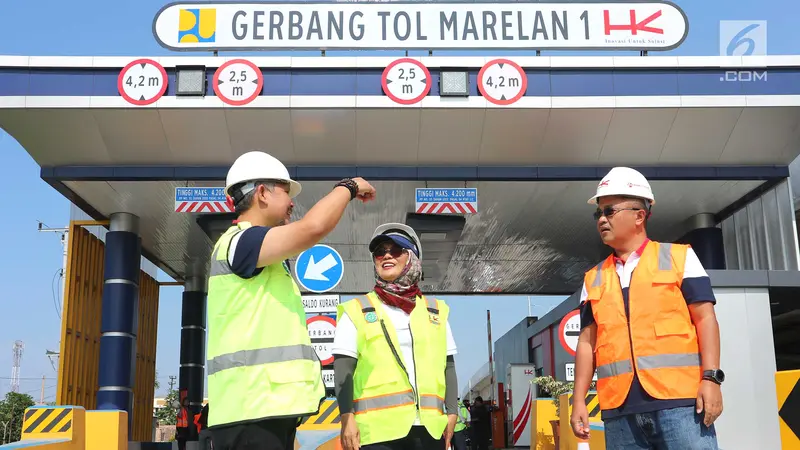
(319, 269)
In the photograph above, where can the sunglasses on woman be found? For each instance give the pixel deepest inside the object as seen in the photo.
(394, 251)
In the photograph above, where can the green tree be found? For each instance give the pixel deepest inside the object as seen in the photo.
(12, 409)
(168, 414)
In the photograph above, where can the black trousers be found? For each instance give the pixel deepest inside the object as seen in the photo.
(417, 439)
(459, 441)
(270, 434)
(181, 436)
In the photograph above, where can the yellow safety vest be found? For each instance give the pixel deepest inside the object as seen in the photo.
(260, 360)
(384, 401)
(461, 424)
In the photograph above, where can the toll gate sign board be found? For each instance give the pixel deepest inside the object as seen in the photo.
(447, 201)
(201, 200)
(262, 25)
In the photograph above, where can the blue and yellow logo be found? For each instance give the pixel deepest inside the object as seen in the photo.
(197, 25)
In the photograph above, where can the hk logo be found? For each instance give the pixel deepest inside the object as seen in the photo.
(633, 26)
(742, 37)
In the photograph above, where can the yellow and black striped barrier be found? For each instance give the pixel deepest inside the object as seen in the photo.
(592, 404)
(48, 422)
(787, 385)
(327, 419)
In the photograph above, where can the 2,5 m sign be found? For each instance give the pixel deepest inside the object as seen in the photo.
(409, 25)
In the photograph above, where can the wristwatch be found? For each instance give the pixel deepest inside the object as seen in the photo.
(716, 375)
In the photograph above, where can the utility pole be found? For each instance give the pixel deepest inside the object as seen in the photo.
(491, 359)
(41, 397)
(171, 382)
(64, 232)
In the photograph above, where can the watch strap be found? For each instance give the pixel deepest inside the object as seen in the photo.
(351, 185)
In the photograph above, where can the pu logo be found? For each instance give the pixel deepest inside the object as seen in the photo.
(197, 25)
(634, 27)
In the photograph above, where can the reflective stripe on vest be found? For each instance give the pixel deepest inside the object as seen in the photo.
(254, 374)
(663, 338)
(363, 405)
(385, 403)
(261, 356)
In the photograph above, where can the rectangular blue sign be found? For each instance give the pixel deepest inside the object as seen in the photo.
(194, 194)
(433, 195)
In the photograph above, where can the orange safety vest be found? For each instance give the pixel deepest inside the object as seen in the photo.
(197, 422)
(183, 419)
(659, 340)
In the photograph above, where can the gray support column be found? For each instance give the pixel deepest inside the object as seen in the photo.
(706, 240)
(120, 316)
(193, 345)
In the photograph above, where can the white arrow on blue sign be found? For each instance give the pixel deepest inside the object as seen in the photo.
(319, 269)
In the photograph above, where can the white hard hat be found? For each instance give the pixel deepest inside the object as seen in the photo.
(258, 166)
(401, 234)
(626, 182)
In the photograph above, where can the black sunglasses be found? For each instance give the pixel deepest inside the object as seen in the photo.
(394, 250)
(609, 211)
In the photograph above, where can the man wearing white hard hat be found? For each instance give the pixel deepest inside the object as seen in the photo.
(648, 327)
(263, 373)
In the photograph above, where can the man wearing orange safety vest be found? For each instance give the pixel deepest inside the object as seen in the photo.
(648, 327)
(182, 424)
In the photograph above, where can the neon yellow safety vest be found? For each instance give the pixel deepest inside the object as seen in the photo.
(260, 360)
(463, 414)
(384, 401)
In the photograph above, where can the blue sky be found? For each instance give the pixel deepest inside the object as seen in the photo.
(31, 293)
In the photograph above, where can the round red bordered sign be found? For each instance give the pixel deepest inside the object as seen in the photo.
(321, 331)
(568, 331)
(406, 81)
(502, 81)
(142, 82)
(238, 82)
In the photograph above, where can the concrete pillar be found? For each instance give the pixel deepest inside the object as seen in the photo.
(120, 317)
(193, 345)
(706, 240)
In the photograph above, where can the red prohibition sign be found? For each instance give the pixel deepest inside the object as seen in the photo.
(523, 82)
(562, 332)
(244, 101)
(310, 320)
(396, 99)
(136, 101)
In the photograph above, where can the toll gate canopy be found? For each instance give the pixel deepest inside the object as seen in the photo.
(708, 146)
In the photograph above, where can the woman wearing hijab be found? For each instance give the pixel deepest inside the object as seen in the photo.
(394, 371)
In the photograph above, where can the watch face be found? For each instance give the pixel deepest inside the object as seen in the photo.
(720, 375)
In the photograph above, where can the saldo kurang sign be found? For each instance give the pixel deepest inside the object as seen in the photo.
(411, 25)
